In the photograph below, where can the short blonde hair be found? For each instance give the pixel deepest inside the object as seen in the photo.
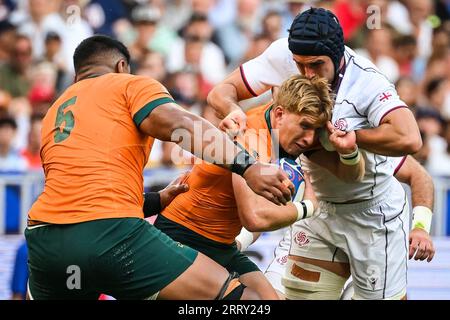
(310, 97)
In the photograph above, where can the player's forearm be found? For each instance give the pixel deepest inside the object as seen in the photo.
(256, 213)
(422, 190)
(207, 142)
(262, 218)
(223, 99)
(193, 134)
(386, 140)
(351, 172)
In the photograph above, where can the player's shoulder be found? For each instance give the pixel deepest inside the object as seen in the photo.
(362, 69)
(279, 49)
(256, 116)
(362, 79)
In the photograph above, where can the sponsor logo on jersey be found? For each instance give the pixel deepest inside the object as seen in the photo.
(341, 124)
(301, 239)
(282, 260)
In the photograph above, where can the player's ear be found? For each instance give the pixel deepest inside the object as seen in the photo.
(278, 112)
(122, 66)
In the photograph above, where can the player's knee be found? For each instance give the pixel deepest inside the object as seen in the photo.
(232, 288)
(305, 281)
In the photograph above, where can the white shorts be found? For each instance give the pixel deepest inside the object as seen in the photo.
(372, 236)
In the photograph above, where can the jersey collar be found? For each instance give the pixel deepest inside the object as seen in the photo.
(282, 152)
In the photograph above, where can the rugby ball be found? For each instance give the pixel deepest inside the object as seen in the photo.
(295, 173)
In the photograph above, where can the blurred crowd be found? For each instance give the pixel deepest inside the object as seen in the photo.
(191, 45)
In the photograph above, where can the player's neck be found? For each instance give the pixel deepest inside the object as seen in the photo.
(93, 73)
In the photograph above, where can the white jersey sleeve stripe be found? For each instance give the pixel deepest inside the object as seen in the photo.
(399, 165)
(247, 85)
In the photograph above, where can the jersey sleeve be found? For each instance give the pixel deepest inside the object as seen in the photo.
(269, 69)
(383, 102)
(143, 96)
(397, 163)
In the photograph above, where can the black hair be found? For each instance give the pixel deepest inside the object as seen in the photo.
(6, 26)
(8, 121)
(433, 85)
(90, 51)
(52, 36)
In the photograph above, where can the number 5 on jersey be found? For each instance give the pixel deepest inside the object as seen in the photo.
(62, 133)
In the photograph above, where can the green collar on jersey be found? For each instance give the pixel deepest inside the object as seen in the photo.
(282, 153)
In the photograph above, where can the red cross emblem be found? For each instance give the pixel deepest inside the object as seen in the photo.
(385, 96)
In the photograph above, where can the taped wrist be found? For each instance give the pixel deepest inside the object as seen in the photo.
(422, 217)
(242, 161)
(152, 204)
(305, 209)
(351, 159)
(245, 238)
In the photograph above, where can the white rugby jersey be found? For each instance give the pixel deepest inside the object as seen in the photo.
(364, 97)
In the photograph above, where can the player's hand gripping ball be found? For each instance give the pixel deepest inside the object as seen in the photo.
(295, 173)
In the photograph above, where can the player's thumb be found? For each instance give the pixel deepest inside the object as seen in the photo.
(177, 189)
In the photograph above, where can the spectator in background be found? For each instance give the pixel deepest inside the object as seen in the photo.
(6, 6)
(32, 152)
(14, 75)
(152, 65)
(42, 17)
(105, 16)
(430, 122)
(149, 33)
(421, 28)
(174, 8)
(258, 45)
(408, 92)
(10, 158)
(272, 25)
(234, 38)
(351, 15)
(442, 9)
(439, 160)
(20, 273)
(42, 92)
(7, 38)
(436, 91)
(54, 55)
(405, 52)
(293, 8)
(378, 49)
(441, 41)
(196, 52)
(74, 29)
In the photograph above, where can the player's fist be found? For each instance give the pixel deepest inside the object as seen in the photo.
(270, 182)
(234, 123)
(420, 245)
(342, 141)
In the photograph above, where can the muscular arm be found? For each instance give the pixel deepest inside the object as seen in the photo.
(169, 122)
(422, 193)
(256, 213)
(331, 162)
(397, 135)
(224, 97)
(421, 183)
